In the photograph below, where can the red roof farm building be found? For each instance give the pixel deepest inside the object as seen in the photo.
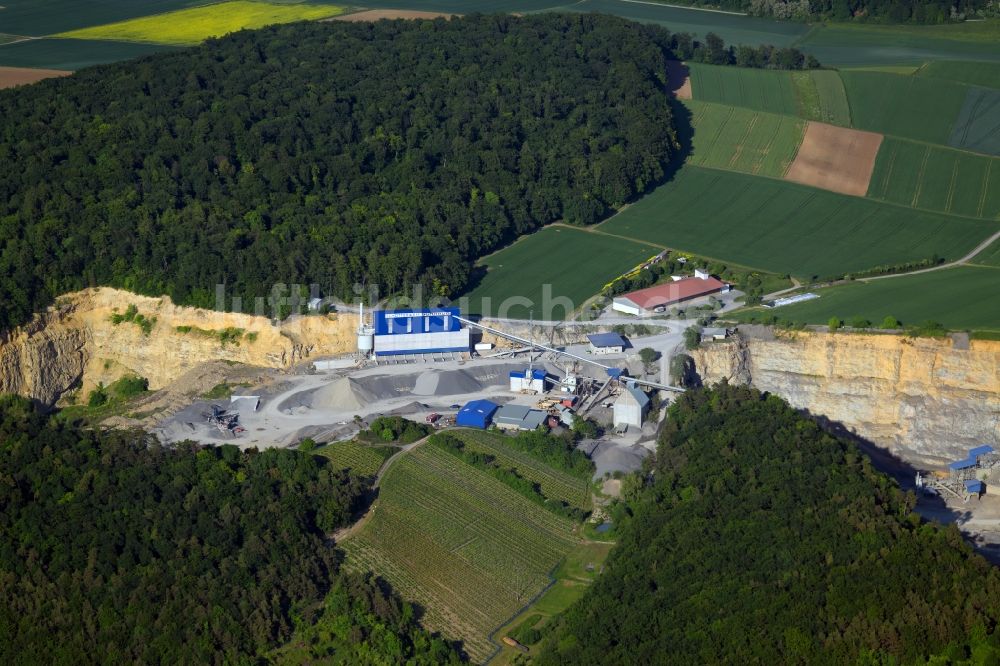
(657, 297)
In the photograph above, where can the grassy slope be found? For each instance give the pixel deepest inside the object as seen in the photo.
(553, 256)
(956, 297)
(937, 178)
(466, 547)
(193, 25)
(728, 137)
(787, 228)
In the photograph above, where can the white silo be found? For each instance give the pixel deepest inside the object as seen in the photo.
(366, 335)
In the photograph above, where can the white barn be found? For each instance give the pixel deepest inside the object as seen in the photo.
(631, 407)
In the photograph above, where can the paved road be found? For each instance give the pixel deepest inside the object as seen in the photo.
(960, 262)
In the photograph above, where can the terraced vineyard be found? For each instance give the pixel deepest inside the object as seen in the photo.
(754, 142)
(467, 548)
(555, 483)
(937, 178)
(360, 459)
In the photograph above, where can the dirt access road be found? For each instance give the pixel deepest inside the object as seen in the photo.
(352, 529)
(958, 262)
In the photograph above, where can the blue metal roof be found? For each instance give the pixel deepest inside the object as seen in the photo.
(476, 414)
(535, 374)
(963, 464)
(615, 372)
(431, 320)
(980, 450)
(607, 340)
(973, 486)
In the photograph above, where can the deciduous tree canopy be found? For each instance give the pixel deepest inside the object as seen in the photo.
(391, 153)
(114, 549)
(763, 539)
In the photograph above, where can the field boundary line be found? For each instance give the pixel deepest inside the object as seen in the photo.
(694, 9)
(920, 177)
(984, 189)
(951, 187)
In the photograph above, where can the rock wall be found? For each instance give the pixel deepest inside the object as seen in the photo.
(923, 399)
(75, 343)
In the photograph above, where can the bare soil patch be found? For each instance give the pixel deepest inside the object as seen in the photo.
(376, 14)
(19, 76)
(679, 79)
(836, 159)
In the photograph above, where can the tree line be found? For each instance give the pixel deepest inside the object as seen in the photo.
(115, 549)
(860, 11)
(756, 537)
(392, 153)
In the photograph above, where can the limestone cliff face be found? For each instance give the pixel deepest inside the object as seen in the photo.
(76, 343)
(923, 399)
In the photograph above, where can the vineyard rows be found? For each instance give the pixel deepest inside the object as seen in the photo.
(362, 460)
(465, 547)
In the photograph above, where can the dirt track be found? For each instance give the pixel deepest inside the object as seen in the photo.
(376, 14)
(19, 76)
(679, 79)
(836, 159)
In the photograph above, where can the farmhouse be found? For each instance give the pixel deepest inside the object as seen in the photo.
(518, 417)
(607, 343)
(631, 407)
(661, 296)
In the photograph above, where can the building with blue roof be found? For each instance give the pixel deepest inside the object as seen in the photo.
(419, 331)
(533, 380)
(476, 414)
(607, 343)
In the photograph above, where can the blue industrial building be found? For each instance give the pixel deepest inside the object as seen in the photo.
(476, 414)
(419, 331)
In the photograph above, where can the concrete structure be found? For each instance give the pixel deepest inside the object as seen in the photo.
(714, 333)
(476, 414)
(528, 380)
(631, 407)
(566, 415)
(607, 343)
(518, 417)
(661, 296)
(366, 335)
(426, 331)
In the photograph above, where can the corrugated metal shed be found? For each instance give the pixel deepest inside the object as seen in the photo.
(980, 451)
(973, 486)
(962, 464)
(519, 417)
(476, 414)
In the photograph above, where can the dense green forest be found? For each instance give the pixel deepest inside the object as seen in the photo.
(114, 549)
(762, 539)
(875, 11)
(390, 153)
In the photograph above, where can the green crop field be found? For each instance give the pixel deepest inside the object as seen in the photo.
(555, 483)
(782, 227)
(937, 178)
(195, 24)
(977, 126)
(463, 545)
(986, 74)
(759, 89)
(728, 137)
(990, 256)
(821, 96)
(958, 298)
(72, 54)
(851, 44)
(38, 18)
(550, 260)
(360, 459)
(913, 107)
